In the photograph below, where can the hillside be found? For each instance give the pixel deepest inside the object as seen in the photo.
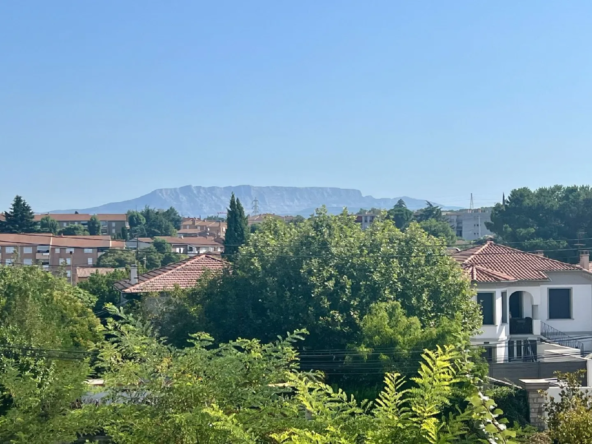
(203, 201)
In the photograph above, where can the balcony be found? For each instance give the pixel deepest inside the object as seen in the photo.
(42, 256)
(521, 326)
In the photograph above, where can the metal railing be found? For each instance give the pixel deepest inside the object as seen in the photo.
(560, 338)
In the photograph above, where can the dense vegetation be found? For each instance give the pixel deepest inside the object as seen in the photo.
(557, 219)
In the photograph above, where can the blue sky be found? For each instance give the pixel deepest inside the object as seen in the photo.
(105, 101)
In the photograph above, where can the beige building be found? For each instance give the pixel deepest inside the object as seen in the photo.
(192, 227)
(58, 254)
(190, 246)
(111, 224)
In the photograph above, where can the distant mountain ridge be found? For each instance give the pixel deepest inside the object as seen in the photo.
(206, 201)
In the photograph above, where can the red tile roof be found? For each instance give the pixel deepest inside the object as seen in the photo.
(69, 217)
(498, 263)
(60, 241)
(185, 274)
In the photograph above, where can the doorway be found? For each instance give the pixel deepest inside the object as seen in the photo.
(516, 305)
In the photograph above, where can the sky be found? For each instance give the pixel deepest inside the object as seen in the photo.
(106, 101)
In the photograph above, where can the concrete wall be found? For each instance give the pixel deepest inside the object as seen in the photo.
(514, 371)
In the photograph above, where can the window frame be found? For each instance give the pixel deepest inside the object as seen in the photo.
(570, 289)
(30, 250)
(493, 300)
(88, 250)
(9, 250)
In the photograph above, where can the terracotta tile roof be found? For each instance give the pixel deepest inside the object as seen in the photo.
(185, 274)
(86, 272)
(59, 241)
(498, 263)
(69, 217)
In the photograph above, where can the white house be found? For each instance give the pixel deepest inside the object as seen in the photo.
(531, 305)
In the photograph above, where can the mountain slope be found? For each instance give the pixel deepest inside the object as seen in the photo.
(203, 201)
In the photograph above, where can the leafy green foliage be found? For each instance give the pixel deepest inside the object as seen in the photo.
(101, 287)
(40, 315)
(150, 258)
(570, 418)
(115, 258)
(48, 225)
(400, 215)
(237, 228)
(74, 230)
(552, 218)
(94, 225)
(324, 274)
(150, 222)
(430, 219)
(19, 219)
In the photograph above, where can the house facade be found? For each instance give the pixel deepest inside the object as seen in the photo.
(192, 226)
(530, 303)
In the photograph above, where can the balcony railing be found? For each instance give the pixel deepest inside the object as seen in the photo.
(559, 337)
(521, 326)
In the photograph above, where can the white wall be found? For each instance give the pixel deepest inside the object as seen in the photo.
(581, 309)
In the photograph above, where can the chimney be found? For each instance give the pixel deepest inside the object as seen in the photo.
(134, 274)
(585, 259)
(540, 253)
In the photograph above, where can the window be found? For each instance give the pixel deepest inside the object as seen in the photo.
(487, 302)
(89, 261)
(27, 250)
(68, 261)
(88, 250)
(504, 307)
(8, 261)
(57, 250)
(69, 250)
(560, 303)
(46, 267)
(27, 261)
(62, 261)
(68, 274)
(64, 224)
(9, 250)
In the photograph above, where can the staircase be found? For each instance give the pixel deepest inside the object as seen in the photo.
(551, 334)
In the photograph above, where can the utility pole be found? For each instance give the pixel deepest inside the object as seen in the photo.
(255, 207)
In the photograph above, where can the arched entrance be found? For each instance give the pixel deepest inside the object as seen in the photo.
(520, 311)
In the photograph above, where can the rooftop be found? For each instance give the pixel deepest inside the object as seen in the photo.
(83, 217)
(88, 241)
(184, 274)
(492, 262)
(199, 241)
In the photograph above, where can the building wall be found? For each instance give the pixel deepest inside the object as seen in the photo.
(470, 225)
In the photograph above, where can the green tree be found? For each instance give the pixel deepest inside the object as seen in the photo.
(440, 229)
(135, 219)
(20, 218)
(430, 212)
(150, 258)
(553, 218)
(74, 230)
(94, 225)
(117, 258)
(125, 233)
(101, 287)
(237, 228)
(400, 215)
(324, 274)
(39, 316)
(173, 216)
(162, 246)
(48, 225)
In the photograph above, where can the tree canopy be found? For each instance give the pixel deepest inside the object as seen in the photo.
(151, 222)
(237, 228)
(19, 219)
(325, 274)
(94, 225)
(429, 218)
(48, 225)
(74, 230)
(557, 218)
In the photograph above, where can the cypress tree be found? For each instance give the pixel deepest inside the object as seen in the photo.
(236, 228)
(20, 218)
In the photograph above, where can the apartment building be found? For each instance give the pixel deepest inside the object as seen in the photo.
(470, 224)
(193, 227)
(111, 224)
(54, 253)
